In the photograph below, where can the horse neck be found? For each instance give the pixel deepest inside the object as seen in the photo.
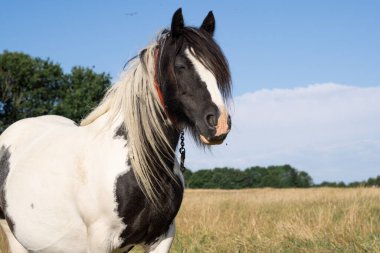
(115, 128)
(104, 126)
(173, 136)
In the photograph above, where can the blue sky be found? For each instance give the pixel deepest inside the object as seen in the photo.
(301, 56)
(269, 44)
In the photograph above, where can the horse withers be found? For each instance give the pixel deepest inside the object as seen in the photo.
(114, 181)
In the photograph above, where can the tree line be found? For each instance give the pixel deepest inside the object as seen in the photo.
(283, 176)
(31, 86)
(370, 182)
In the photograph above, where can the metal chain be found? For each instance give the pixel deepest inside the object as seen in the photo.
(182, 151)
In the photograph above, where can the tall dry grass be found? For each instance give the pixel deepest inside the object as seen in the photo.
(3, 242)
(279, 220)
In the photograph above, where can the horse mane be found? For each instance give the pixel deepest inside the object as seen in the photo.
(135, 98)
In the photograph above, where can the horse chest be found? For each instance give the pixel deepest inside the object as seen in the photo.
(145, 223)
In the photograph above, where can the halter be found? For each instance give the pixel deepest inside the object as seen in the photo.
(161, 97)
(182, 150)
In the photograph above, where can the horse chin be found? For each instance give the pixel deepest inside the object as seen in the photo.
(204, 140)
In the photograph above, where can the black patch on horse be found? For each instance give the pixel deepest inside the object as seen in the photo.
(5, 155)
(145, 222)
(121, 131)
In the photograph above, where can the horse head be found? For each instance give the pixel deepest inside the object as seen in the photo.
(194, 79)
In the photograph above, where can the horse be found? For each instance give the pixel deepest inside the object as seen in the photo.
(114, 181)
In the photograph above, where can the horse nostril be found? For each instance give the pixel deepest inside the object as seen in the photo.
(211, 120)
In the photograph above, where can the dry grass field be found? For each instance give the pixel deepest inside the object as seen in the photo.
(279, 220)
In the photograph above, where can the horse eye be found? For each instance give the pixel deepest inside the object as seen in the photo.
(180, 67)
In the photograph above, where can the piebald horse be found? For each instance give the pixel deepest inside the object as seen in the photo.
(114, 181)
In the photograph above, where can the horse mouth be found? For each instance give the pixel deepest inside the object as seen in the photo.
(216, 141)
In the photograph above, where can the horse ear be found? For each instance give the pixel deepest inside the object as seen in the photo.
(208, 24)
(177, 23)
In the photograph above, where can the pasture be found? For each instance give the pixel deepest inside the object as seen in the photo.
(278, 220)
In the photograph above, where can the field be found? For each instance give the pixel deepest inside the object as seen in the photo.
(279, 220)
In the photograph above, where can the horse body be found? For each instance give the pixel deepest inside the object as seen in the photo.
(114, 181)
(71, 197)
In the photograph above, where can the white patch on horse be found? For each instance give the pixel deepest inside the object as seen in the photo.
(208, 78)
(72, 192)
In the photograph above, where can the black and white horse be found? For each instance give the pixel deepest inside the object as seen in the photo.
(114, 181)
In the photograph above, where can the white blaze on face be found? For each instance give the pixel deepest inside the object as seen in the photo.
(212, 86)
(208, 78)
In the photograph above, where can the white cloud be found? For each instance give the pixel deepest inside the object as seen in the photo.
(331, 131)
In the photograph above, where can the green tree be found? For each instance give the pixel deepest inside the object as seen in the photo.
(303, 179)
(229, 178)
(28, 87)
(187, 174)
(373, 181)
(201, 179)
(83, 89)
(32, 87)
(255, 176)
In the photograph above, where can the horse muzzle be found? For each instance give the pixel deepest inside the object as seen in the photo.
(221, 129)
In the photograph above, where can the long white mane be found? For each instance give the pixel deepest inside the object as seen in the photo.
(135, 98)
